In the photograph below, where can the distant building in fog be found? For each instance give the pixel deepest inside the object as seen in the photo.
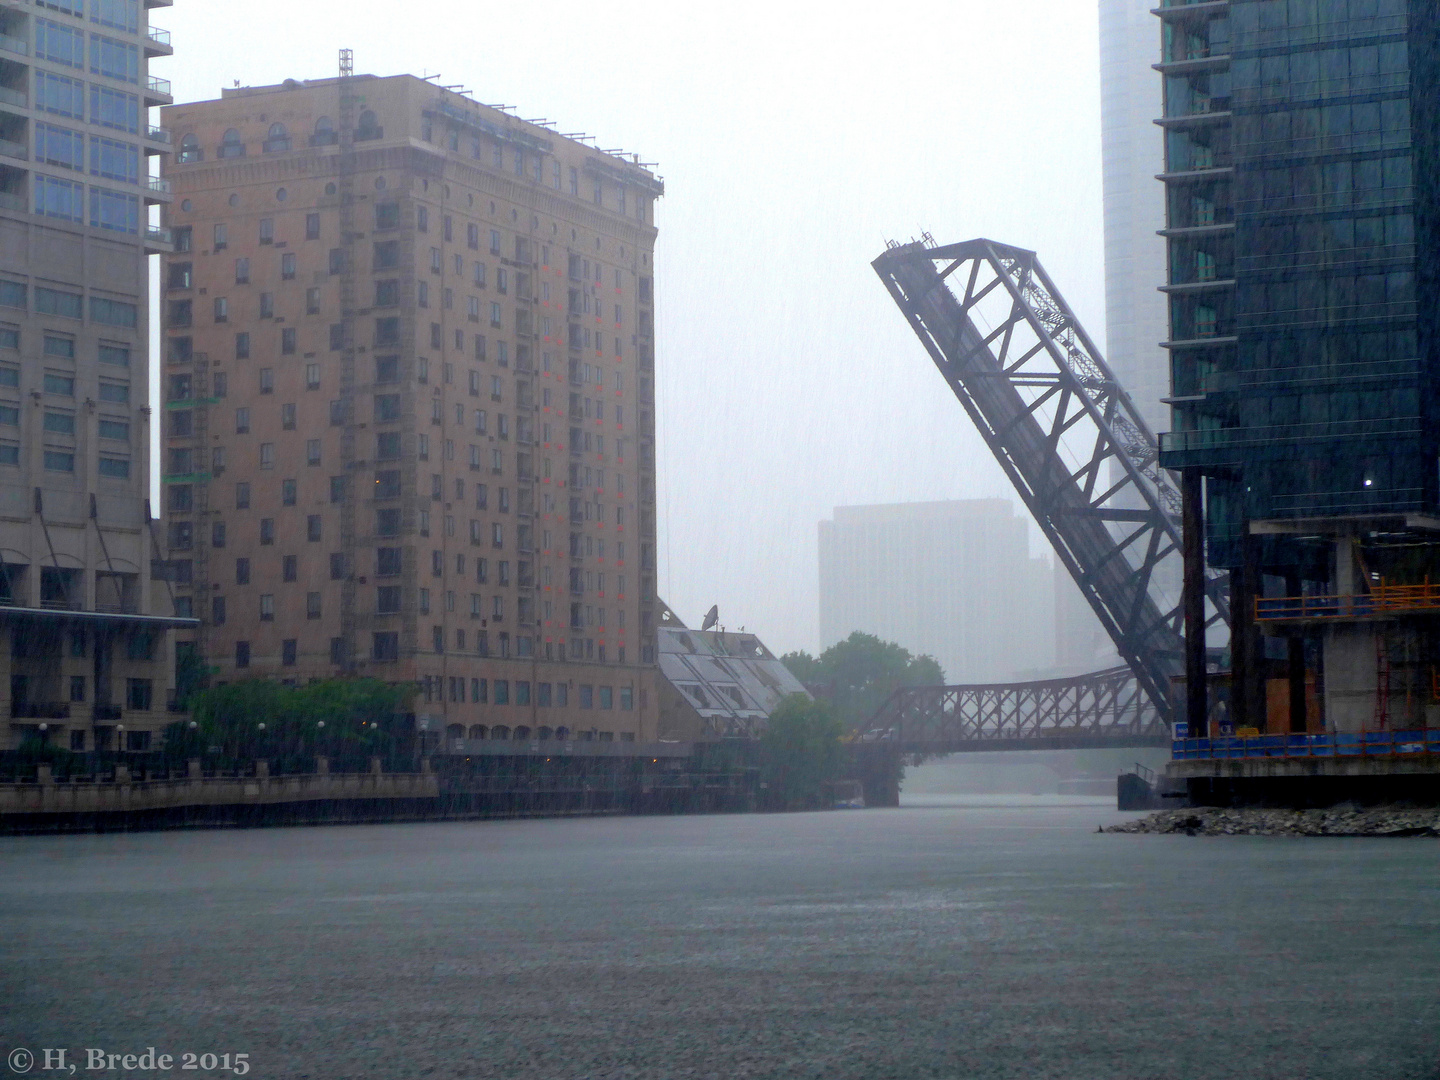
(954, 580)
(1132, 153)
(1081, 643)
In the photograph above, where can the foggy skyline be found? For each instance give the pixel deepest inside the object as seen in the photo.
(794, 143)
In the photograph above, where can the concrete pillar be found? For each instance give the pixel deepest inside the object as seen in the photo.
(122, 774)
(1351, 679)
(1242, 611)
(375, 766)
(1193, 541)
(322, 766)
(1344, 568)
(262, 768)
(43, 775)
(192, 769)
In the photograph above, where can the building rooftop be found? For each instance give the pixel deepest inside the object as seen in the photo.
(724, 674)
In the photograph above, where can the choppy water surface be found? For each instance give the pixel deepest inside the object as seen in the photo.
(950, 938)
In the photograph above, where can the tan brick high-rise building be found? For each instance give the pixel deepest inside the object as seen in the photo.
(86, 659)
(409, 421)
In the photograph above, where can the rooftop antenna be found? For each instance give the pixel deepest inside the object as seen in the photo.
(711, 617)
(427, 78)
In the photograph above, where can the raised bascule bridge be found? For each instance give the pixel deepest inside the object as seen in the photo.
(1086, 465)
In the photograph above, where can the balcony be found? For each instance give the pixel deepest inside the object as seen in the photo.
(40, 710)
(13, 45)
(11, 201)
(158, 135)
(17, 98)
(13, 150)
(104, 713)
(157, 42)
(159, 190)
(158, 3)
(158, 241)
(157, 92)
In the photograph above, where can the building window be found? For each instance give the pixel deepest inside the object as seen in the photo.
(242, 654)
(267, 607)
(290, 568)
(312, 605)
(386, 645)
(267, 530)
(312, 451)
(287, 652)
(313, 528)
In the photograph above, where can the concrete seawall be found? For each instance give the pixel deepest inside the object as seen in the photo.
(48, 804)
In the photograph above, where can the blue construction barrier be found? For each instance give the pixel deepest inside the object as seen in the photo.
(1329, 744)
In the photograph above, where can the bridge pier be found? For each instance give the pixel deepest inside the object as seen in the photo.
(879, 770)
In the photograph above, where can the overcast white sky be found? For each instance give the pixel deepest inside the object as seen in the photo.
(794, 139)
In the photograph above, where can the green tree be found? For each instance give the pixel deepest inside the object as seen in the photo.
(800, 754)
(857, 675)
(346, 720)
(191, 677)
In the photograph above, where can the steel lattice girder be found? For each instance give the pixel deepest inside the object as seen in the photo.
(1105, 708)
(1040, 393)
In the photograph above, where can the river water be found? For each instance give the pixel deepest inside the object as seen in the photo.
(953, 937)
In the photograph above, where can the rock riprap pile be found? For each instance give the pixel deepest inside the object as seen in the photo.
(1333, 821)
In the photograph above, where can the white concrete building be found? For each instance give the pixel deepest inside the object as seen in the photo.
(954, 580)
(1132, 153)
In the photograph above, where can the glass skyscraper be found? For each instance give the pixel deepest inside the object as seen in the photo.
(1300, 179)
(1301, 186)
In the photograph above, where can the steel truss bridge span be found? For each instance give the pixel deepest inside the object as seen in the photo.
(1103, 709)
(1068, 437)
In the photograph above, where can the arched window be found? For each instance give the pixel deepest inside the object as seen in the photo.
(369, 127)
(456, 734)
(544, 733)
(477, 731)
(499, 731)
(522, 734)
(562, 733)
(190, 149)
(277, 141)
(324, 133)
(230, 145)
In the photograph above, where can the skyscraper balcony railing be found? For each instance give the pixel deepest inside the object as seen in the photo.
(1234, 437)
(18, 98)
